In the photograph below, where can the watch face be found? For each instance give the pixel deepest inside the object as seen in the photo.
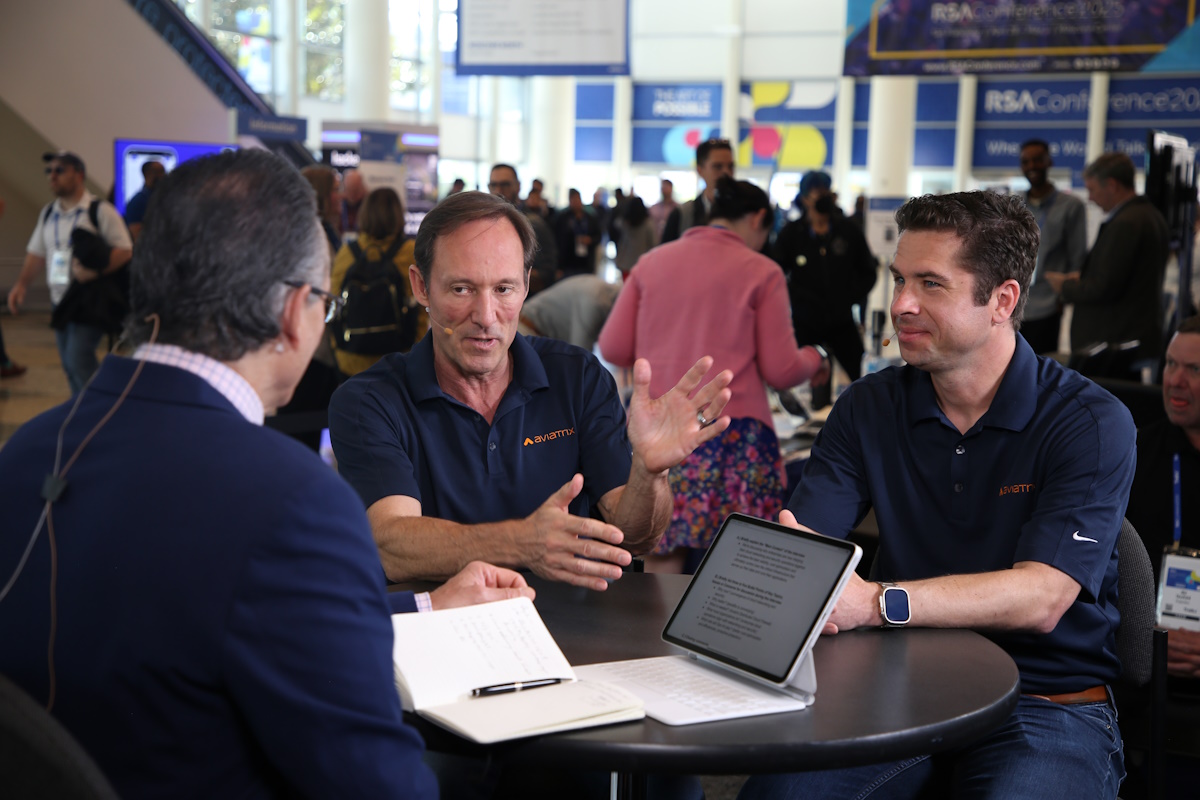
(895, 605)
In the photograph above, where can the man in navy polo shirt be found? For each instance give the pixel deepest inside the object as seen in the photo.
(481, 441)
(999, 480)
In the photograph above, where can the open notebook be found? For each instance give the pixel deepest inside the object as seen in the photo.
(442, 656)
(747, 623)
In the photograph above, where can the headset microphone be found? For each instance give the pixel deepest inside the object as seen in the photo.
(887, 341)
(445, 328)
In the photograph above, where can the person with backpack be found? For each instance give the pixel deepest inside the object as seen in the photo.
(371, 275)
(83, 244)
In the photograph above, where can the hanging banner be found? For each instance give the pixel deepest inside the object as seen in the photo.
(927, 37)
(531, 37)
(671, 119)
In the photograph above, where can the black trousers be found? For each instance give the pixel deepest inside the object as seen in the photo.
(842, 340)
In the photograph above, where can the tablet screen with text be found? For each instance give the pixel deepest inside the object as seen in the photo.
(757, 600)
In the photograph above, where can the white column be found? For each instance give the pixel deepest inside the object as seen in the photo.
(623, 133)
(283, 59)
(890, 134)
(964, 140)
(552, 136)
(843, 134)
(431, 54)
(1097, 115)
(731, 83)
(366, 59)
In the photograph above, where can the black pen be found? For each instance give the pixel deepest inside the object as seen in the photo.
(505, 688)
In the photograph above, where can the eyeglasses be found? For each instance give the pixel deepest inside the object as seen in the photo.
(333, 303)
(57, 170)
(501, 184)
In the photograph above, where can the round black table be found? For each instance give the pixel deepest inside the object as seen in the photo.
(881, 695)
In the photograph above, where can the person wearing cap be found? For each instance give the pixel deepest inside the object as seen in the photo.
(829, 268)
(714, 160)
(50, 249)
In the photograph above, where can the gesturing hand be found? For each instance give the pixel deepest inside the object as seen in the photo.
(664, 431)
(479, 582)
(576, 550)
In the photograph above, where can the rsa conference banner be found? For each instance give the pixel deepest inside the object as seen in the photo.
(927, 37)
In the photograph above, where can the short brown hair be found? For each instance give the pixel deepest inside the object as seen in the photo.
(382, 214)
(323, 179)
(460, 209)
(998, 234)
(1189, 325)
(1117, 166)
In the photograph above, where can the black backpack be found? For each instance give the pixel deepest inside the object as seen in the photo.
(379, 317)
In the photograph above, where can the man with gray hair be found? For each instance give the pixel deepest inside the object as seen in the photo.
(1118, 293)
(220, 625)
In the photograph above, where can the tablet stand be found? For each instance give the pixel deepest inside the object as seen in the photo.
(804, 683)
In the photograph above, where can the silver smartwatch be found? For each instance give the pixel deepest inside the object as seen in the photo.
(893, 605)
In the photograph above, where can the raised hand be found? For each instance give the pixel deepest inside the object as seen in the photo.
(665, 430)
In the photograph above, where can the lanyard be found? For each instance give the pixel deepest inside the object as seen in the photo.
(1175, 486)
(74, 223)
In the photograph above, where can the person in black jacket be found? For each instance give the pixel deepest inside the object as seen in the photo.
(829, 268)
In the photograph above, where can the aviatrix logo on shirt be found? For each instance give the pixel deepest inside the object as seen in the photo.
(547, 437)
(1017, 488)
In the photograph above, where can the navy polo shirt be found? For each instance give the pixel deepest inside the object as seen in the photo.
(1043, 476)
(395, 432)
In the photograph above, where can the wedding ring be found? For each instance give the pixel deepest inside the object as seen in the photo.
(704, 423)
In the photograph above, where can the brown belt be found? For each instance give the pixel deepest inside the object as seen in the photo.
(1096, 694)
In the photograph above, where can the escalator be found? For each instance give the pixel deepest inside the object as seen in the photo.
(212, 68)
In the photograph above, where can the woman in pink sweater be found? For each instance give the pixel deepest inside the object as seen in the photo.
(712, 293)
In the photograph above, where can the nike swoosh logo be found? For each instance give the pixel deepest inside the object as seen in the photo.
(1079, 538)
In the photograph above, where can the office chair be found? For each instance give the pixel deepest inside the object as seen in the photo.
(1142, 649)
(39, 759)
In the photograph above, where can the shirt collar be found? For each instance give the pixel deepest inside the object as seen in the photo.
(1011, 408)
(232, 386)
(1117, 209)
(529, 374)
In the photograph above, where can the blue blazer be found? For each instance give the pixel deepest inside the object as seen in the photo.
(223, 628)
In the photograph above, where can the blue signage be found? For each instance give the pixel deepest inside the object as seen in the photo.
(862, 101)
(266, 126)
(674, 145)
(1154, 99)
(593, 143)
(694, 102)
(933, 147)
(941, 37)
(937, 101)
(1000, 148)
(1132, 141)
(1032, 101)
(379, 146)
(595, 101)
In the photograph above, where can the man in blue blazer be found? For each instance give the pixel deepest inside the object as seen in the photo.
(202, 603)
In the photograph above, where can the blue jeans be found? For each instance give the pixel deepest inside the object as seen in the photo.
(1044, 750)
(77, 345)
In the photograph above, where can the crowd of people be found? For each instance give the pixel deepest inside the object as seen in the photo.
(480, 440)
